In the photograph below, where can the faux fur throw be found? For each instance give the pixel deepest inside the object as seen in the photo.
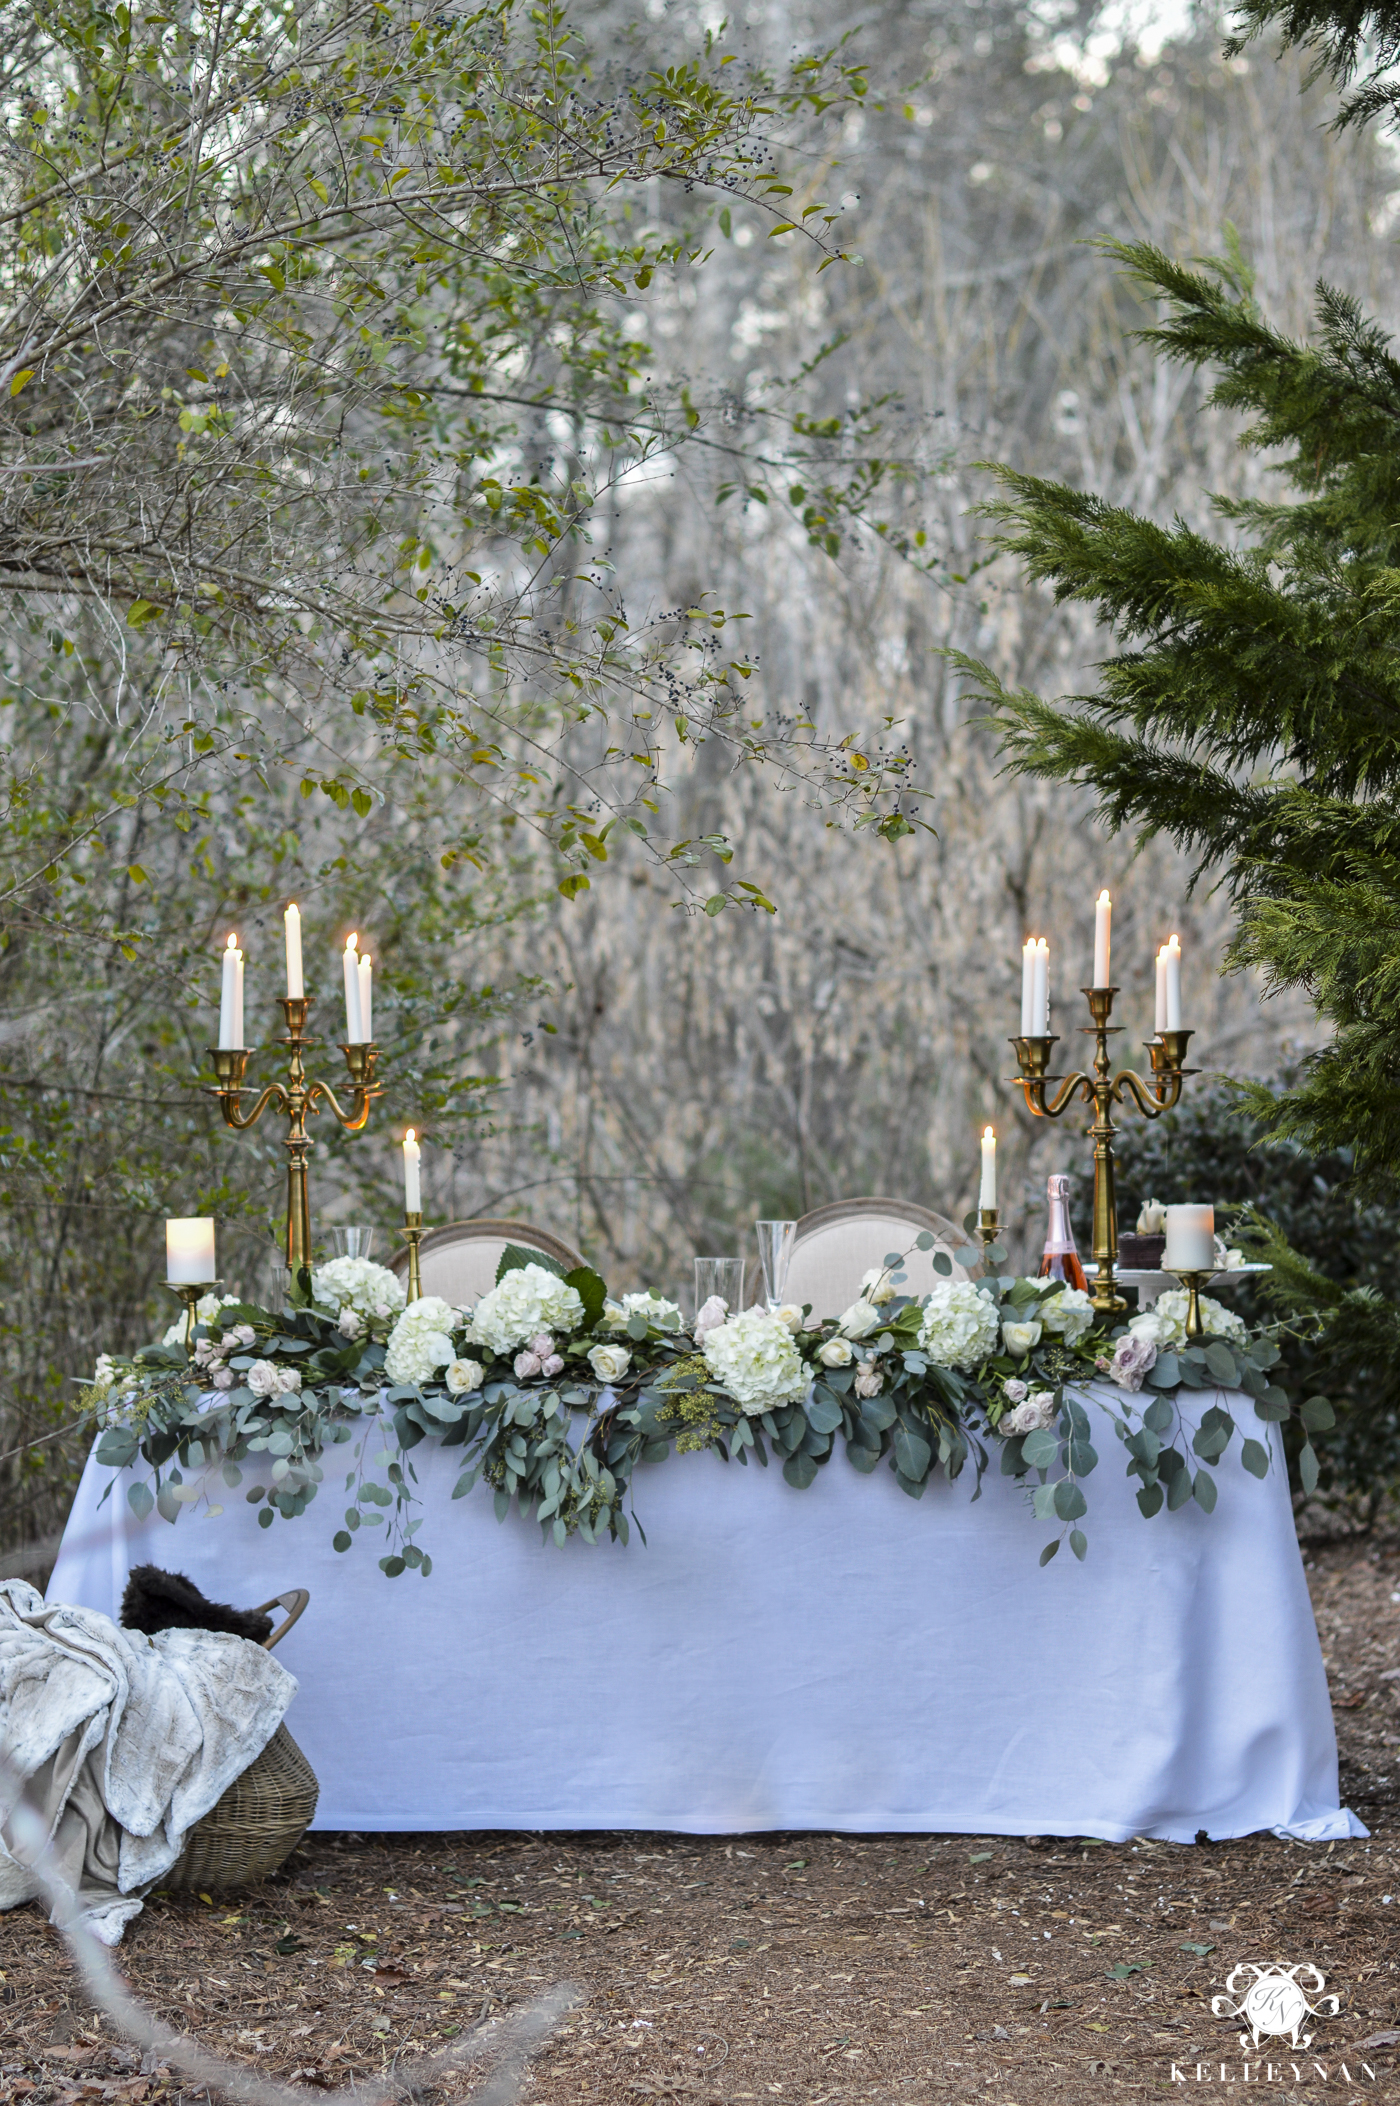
(167, 1601)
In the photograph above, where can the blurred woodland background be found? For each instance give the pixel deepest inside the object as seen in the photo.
(644, 1079)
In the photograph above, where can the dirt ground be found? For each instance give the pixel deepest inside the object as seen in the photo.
(794, 1968)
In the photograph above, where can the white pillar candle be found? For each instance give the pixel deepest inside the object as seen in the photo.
(987, 1197)
(292, 918)
(366, 999)
(350, 967)
(238, 1038)
(189, 1253)
(1103, 915)
(228, 997)
(1040, 994)
(1172, 958)
(412, 1183)
(1190, 1239)
(1160, 1023)
(1028, 987)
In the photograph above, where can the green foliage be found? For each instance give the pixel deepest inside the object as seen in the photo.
(1333, 1257)
(1344, 39)
(1251, 714)
(883, 1396)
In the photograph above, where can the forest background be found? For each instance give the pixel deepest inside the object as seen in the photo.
(642, 1077)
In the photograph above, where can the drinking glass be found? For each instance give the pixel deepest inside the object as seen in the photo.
(721, 1276)
(353, 1242)
(281, 1285)
(775, 1240)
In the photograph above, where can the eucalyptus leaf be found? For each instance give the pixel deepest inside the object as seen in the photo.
(1307, 1468)
(140, 1499)
(1150, 1499)
(1070, 1502)
(1204, 1490)
(800, 1471)
(1317, 1414)
(942, 1264)
(1255, 1458)
(1040, 1448)
(1079, 1543)
(1049, 1550)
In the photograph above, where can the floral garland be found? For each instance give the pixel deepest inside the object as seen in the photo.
(925, 1384)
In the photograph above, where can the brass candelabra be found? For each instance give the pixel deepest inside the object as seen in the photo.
(298, 1099)
(1103, 1089)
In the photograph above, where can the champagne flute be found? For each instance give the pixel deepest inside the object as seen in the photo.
(775, 1241)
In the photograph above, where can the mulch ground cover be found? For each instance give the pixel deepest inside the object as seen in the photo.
(802, 1967)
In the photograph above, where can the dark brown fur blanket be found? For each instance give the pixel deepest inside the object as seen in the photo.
(167, 1601)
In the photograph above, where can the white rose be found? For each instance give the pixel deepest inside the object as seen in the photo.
(1070, 1313)
(463, 1376)
(869, 1380)
(876, 1286)
(860, 1319)
(960, 1326)
(1016, 1391)
(1018, 1339)
(609, 1362)
(757, 1360)
(654, 1307)
(790, 1314)
(528, 1300)
(835, 1353)
(288, 1380)
(262, 1378)
(351, 1323)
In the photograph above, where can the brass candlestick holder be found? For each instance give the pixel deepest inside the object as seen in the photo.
(298, 1099)
(988, 1226)
(413, 1236)
(1102, 1089)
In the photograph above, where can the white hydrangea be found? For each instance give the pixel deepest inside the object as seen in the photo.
(1070, 1313)
(960, 1327)
(527, 1301)
(756, 1358)
(371, 1290)
(1165, 1322)
(205, 1310)
(654, 1307)
(421, 1341)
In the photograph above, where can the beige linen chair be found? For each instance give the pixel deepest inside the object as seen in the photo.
(834, 1245)
(459, 1260)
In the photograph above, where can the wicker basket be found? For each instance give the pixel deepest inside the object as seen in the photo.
(256, 1825)
(263, 1815)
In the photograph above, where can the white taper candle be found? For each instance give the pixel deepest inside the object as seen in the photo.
(292, 918)
(987, 1196)
(412, 1182)
(1040, 998)
(1028, 987)
(350, 967)
(1160, 1023)
(366, 998)
(1103, 916)
(1172, 956)
(228, 995)
(238, 1038)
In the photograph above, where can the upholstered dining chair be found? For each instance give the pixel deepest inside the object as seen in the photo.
(459, 1260)
(835, 1244)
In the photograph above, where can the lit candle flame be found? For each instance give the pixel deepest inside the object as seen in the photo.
(409, 1135)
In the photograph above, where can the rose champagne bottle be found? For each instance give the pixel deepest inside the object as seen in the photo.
(1061, 1260)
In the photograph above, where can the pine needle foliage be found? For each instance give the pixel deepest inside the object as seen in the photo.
(1252, 710)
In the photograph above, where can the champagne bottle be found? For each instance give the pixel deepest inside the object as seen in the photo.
(1060, 1260)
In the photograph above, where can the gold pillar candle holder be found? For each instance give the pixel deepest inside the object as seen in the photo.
(413, 1236)
(191, 1295)
(1103, 1089)
(298, 1100)
(1193, 1282)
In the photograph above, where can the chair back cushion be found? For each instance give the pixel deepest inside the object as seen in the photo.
(459, 1260)
(836, 1244)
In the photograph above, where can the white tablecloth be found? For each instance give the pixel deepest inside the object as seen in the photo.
(843, 1658)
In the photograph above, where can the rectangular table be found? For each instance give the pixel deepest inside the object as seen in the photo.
(842, 1658)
